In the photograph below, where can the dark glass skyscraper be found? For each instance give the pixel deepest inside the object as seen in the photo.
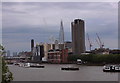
(78, 36)
(32, 44)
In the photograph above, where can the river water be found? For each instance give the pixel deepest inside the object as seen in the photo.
(52, 72)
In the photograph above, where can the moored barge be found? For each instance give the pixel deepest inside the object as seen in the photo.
(111, 68)
(70, 68)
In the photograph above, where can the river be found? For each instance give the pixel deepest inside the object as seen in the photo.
(52, 72)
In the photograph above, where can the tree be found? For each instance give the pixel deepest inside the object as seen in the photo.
(97, 58)
(6, 74)
(1, 50)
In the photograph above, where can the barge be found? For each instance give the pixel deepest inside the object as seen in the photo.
(70, 68)
(31, 65)
(37, 66)
(111, 68)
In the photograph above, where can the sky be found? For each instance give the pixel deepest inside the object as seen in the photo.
(23, 21)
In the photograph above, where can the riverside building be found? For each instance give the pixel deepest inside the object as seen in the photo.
(78, 36)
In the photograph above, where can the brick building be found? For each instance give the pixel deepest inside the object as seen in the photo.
(58, 56)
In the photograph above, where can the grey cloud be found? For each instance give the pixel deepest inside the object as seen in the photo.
(53, 11)
(40, 20)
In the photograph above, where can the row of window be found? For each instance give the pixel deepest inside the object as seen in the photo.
(54, 57)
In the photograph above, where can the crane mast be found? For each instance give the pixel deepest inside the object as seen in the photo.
(99, 41)
(90, 44)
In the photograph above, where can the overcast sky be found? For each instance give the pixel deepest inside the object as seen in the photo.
(23, 21)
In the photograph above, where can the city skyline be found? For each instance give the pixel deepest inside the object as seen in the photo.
(25, 21)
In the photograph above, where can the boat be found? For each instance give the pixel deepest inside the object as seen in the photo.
(26, 65)
(21, 65)
(79, 61)
(70, 68)
(67, 68)
(15, 63)
(111, 68)
(40, 66)
(31, 65)
(37, 66)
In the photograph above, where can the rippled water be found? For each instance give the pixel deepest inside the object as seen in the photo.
(52, 72)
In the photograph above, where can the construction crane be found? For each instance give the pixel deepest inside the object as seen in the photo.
(99, 41)
(90, 44)
(52, 39)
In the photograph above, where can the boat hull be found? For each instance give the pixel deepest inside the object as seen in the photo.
(37, 66)
(111, 68)
(69, 68)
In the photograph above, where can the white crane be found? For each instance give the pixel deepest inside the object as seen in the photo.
(90, 44)
(52, 39)
(99, 41)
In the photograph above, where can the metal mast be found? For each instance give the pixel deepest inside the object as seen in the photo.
(61, 33)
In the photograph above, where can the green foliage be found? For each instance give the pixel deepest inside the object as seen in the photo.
(6, 74)
(94, 58)
(72, 57)
(1, 49)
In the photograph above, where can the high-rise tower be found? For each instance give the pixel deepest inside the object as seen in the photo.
(78, 36)
(61, 34)
(32, 44)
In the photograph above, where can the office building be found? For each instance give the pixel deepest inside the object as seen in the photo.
(14, 53)
(78, 36)
(32, 44)
(61, 33)
(8, 53)
(38, 53)
(54, 56)
(68, 45)
(64, 56)
(58, 56)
